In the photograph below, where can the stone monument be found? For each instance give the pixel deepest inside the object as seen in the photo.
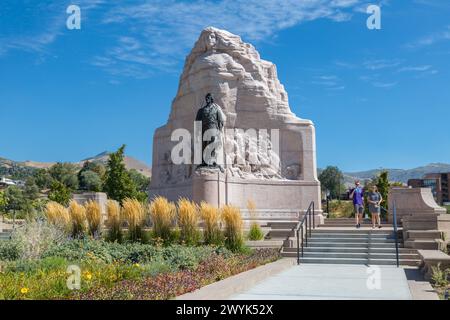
(269, 154)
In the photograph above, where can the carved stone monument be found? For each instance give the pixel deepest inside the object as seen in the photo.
(269, 153)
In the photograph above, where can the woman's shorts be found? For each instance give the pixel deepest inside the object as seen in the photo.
(374, 210)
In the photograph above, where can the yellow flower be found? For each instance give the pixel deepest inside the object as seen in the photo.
(137, 265)
(24, 290)
(88, 276)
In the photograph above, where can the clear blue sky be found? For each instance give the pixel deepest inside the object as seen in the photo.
(379, 98)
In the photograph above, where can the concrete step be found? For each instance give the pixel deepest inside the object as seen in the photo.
(424, 234)
(353, 235)
(4, 236)
(353, 230)
(314, 243)
(265, 244)
(282, 224)
(353, 255)
(422, 244)
(281, 233)
(353, 225)
(359, 261)
(352, 240)
(354, 250)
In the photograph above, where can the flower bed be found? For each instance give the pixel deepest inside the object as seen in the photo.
(169, 285)
(121, 271)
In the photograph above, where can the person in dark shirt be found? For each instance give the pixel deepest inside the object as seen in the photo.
(374, 199)
(357, 195)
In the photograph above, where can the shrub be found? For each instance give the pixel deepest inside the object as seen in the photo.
(35, 237)
(255, 232)
(162, 214)
(9, 250)
(78, 216)
(188, 221)
(58, 215)
(440, 276)
(233, 228)
(94, 218)
(341, 209)
(134, 213)
(211, 220)
(114, 221)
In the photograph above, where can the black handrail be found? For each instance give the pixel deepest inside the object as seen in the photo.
(394, 223)
(309, 215)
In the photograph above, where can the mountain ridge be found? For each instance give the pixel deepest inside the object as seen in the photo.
(400, 175)
(130, 163)
(395, 174)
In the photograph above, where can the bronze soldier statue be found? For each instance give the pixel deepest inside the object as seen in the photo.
(212, 118)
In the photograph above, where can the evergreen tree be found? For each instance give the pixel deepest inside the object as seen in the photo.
(59, 193)
(382, 183)
(331, 179)
(118, 183)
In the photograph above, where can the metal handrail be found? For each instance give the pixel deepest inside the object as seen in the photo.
(305, 221)
(394, 223)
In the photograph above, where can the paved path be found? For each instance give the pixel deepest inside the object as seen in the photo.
(330, 282)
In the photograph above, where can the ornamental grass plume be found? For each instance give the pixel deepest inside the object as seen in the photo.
(58, 215)
(78, 217)
(231, 216)
(162, 215)
(255, 232)
(114, 222)
(211, 221)
(94, 217)
(133, 212)
(188, 221)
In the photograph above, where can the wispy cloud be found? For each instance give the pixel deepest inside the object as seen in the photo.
(384, 85)
(165, 30)
(415, 68)
(381, 64)
(431, 39)
(46, 22)
(329, 82)
(151, 35)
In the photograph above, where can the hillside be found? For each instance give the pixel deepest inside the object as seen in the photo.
(400, 175)
(28, 166)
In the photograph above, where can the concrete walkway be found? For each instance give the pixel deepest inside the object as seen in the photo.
(331, 282)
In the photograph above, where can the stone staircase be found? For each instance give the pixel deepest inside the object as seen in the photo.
(337, 241)
(4, 235)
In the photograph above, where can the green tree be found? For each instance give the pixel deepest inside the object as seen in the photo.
(118, 183)
(59, 193)
(142, 182)
(382, 183)
(31, 190)
(90, 181)
(43, 179)
(331, 179)
(65, 173)
(16, 201)
(91, 176)
(3, 202)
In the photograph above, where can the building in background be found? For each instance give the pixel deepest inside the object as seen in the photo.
(437, 182)
(5, 182)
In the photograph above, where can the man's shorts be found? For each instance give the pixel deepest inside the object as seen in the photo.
(359, 208)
